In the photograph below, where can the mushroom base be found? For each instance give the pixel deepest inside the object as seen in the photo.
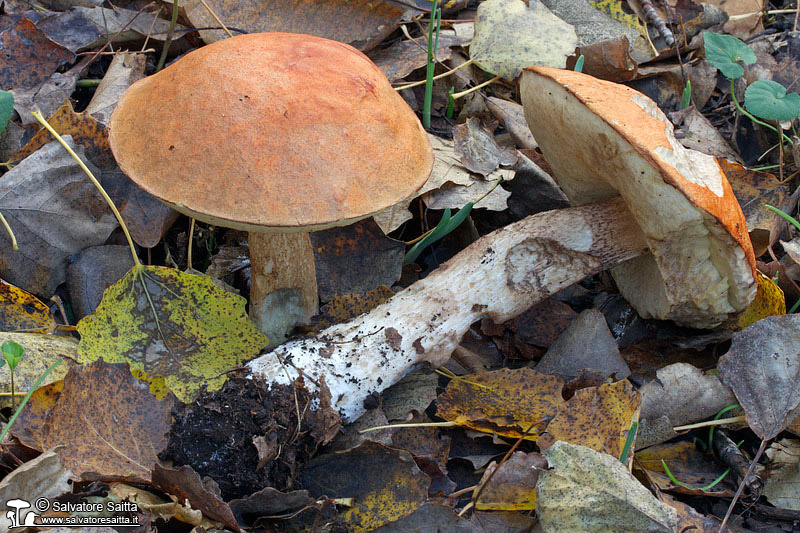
(283, 283)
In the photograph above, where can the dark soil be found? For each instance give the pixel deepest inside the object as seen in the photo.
(215, 436)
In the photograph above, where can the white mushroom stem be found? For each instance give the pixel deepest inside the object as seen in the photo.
(283, 282)
(500, 276)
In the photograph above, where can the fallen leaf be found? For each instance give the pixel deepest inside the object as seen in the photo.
(346, 306)
(55, 212)
(29, 57)
(82, 28)
(46, 97)
(20, 311)
(688, 465)
(762, 367)
(430, 517)
(404, 57)
(146, 217)
(185, 485)
(587, 491)
(609, 59)
(269, 502)
(384, 483)
(476, 147)
(507, 402)
(769, 301)
(510, 35)
(125, 69)
(586, 344)
(41, 351)
(464, 187)
(178, 325)
(360, 23)
(355, 259)
(597, 417)
(782, 485)
(683, 394)
(91, 272)
(620, 11)
(755, 190)
(120, 435)
(513, 119)
(43, 477)
(509, 485)
(33, 415)
(696, 132)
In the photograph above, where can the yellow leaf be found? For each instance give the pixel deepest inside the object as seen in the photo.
(769, 301)
(169, 323)
(596, 417)
(506, 402)
(21, 311)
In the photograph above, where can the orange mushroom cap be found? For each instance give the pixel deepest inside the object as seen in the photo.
(271, 131)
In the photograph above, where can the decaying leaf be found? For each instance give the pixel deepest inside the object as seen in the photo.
(513, 403)
(55, 212)
(21, 311)
(597, 417)
(41, 351)
(588, 491)
(449, 186)
(510, 35)
(763, 369)
(167, 322)
(689, 465)
(769, 301)
(43, 477)
(384, 483)
(29, 57)
(782, 485)
(360, 23)
(120, 435)
(509, 486)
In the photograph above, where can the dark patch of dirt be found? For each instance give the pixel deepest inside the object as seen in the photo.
(215, 436)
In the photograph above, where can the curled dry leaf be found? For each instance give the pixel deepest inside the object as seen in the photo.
(763, 369)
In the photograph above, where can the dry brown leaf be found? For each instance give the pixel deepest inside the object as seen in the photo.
(510, 486)
(29, 57)
(120, 435)
(689, 465)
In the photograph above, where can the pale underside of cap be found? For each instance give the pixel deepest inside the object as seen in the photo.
(271, 131)
(602, 140)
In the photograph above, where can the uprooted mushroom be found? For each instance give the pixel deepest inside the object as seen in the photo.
(664, 219)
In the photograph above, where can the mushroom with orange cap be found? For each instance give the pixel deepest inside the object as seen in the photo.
(662, 217)
(278, 134)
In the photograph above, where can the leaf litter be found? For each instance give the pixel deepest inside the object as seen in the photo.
(180, 333)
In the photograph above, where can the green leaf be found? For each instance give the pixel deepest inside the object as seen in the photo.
(6, 108)
(12, 353)
(169, 323)
(768, 100)
(725, 52)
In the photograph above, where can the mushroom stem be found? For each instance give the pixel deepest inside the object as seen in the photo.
(499, 276)
(283, 282)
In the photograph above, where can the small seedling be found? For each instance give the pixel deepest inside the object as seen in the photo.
(446, 225)
(765, 99)
(686, 98)
(6, 108)
(433, 42)
(579, 64)
(794, 222)
(12, 354)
